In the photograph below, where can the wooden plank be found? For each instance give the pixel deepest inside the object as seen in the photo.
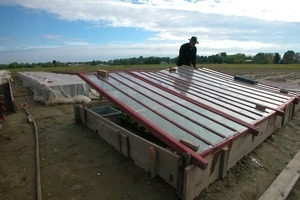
(8, 98)
(224, 162)
(285, 182)
(189, 144)
(102, 73)
(125, 145)
(153, 153)
(110, 134)
(163, 162)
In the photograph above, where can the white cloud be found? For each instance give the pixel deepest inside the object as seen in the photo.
(119, 50)
(52, 37)
(66, 41)
(170, 19)
(124, 12)
(238, 26)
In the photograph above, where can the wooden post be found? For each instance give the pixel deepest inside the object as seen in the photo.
(153, 153)
(224, 162)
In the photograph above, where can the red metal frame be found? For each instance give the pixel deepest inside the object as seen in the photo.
(197, 160)
(253, 129)
(170, 108)
(279, 112)
(204, 97)
(164, 116)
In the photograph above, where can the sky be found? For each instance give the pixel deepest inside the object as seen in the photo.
(85, 30)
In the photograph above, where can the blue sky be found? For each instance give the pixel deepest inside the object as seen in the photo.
(77, 30)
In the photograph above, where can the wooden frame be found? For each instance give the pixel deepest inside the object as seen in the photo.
(174, 169)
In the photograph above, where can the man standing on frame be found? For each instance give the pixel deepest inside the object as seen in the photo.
(187, 53)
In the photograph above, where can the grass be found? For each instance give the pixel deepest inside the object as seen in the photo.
(89, 68)
(238, 67)
(254, 66)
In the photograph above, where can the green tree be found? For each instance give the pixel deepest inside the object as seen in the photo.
(289, 57)
(263, 58)
(14, 65)
(239, 58)
(54, 62)
(276, 58)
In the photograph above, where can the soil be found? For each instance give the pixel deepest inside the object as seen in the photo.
(77, 164)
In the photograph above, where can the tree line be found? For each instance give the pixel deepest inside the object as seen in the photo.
(288, 57)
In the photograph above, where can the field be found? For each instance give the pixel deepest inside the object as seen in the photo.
(78, 164)
(221, 67)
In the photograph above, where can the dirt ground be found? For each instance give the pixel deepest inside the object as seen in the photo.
(77, 164)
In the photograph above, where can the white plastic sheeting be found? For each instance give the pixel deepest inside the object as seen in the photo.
(54, 88)
(5, 76)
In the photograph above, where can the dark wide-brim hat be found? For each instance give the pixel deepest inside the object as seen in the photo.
(194, 39)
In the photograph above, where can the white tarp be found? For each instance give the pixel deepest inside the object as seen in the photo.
(5, 76)
(54, 88)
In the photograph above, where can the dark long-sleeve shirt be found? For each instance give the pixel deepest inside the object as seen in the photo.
(187, 55)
